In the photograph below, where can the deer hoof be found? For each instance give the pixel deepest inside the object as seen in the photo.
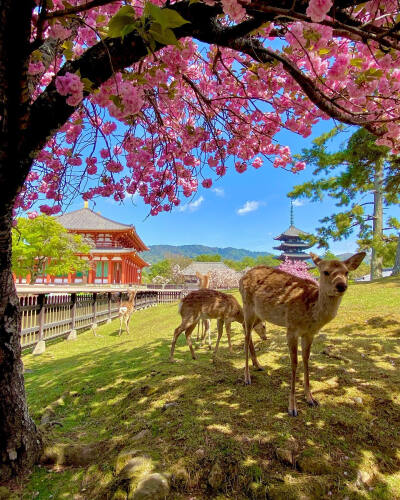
(247, 380)
(313, 402)
(292, 413)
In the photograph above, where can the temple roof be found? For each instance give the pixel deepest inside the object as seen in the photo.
(297, 256)
(291, 232)
(289, 246)
(203, 268)
(85, 219)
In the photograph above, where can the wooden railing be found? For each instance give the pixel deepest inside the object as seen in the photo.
(55, 314)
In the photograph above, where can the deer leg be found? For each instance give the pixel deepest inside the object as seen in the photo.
(207, 327)
(292, 341)
(198, 331)
(220, 329)
(305, 351)
(177, 332)
(188, 334)
(228, 334)
(248, 327)
(120, 324)
(254, 359)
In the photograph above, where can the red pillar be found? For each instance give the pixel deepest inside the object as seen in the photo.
(123, 272)
(110, 270)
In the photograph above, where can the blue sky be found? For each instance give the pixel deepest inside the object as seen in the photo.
(241, 210)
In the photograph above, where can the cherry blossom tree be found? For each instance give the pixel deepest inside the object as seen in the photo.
(111, 97)
(298, 268)
(224, 278)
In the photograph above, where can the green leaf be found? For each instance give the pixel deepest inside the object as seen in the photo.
(117, 26)
(165, 37)
(116, 100)
(323, 52)
(357, 62)
(172, 19)
(87, 84)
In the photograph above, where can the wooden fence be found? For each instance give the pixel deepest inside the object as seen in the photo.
(48, 316)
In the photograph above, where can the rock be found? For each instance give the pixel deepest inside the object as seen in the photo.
(312, 462)
(180, 477)
(69, 454)
(153, 487)
(286, 456)
(358, 400)
(39, 348)
(364, 478)
(200, 453)
(216, 477)
(136, 468)
(123, 458)
(141, 435)
(5, 493)
(322, 336)
(168, 405)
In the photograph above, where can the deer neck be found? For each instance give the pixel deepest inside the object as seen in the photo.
(326, 308)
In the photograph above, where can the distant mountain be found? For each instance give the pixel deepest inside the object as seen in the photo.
(160, 252)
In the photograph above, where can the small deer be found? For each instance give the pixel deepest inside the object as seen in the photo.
(126, 310)
(204, 282)
(298, 304)
(212, 304)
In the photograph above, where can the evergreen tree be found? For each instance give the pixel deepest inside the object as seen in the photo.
(363, 179)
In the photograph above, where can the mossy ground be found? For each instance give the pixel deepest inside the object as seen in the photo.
(113, 387)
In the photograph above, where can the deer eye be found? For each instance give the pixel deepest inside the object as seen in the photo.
(326, 273)
(346, 273)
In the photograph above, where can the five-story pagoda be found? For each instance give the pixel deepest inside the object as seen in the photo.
(293, 246)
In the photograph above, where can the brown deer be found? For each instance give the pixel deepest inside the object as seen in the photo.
(204, 282)
(298, 304)
(126, 310)
(212, 304)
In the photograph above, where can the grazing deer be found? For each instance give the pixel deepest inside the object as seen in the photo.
(126, 310)
(298, 304)
(204, 282)
(207, 304)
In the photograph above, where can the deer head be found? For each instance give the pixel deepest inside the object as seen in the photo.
(334, 273)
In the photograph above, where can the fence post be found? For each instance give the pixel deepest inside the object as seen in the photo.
(40, 347)
(94, 307)
(109, 294)
(72, 334)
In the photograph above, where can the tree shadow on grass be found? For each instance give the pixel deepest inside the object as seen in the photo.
(112, 393)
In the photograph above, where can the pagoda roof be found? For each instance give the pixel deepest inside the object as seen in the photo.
(85, 219)
(288, 246)
(291, 232)
(295, 256)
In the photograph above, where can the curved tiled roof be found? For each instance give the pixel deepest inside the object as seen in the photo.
(291, 232)
(203, 268)
(86, 219)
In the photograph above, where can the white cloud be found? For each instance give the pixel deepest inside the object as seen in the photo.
(194, 205)
(249, 206)
(219, 192)
(299, 203)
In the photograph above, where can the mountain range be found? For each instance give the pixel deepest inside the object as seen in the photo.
(160, 252)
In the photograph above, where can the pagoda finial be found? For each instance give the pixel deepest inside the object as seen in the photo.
(85, 204)
(291, 213)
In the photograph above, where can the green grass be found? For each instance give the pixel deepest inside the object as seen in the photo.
(109, 388)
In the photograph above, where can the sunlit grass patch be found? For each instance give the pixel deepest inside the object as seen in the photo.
(196, 414)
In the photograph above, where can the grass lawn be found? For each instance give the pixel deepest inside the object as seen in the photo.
(104, 390)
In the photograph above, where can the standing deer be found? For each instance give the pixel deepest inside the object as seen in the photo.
(207, 304)
(204, 282)
(126, 310)
(298, 304)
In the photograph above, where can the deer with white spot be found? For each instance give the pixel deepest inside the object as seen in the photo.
(126, 310)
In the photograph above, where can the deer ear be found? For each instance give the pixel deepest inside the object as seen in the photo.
(317, 260)
(354, 261)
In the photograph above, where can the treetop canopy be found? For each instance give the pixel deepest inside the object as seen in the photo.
(124, 98)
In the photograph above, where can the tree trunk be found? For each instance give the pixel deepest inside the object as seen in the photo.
(377, 228)
(396, 267)
(20, 440)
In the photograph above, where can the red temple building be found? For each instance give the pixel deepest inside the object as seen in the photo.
(114, 257)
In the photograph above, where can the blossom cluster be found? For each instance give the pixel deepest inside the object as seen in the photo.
(296, 267)
(181, 118)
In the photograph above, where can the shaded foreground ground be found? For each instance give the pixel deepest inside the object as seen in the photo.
(111, 388)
